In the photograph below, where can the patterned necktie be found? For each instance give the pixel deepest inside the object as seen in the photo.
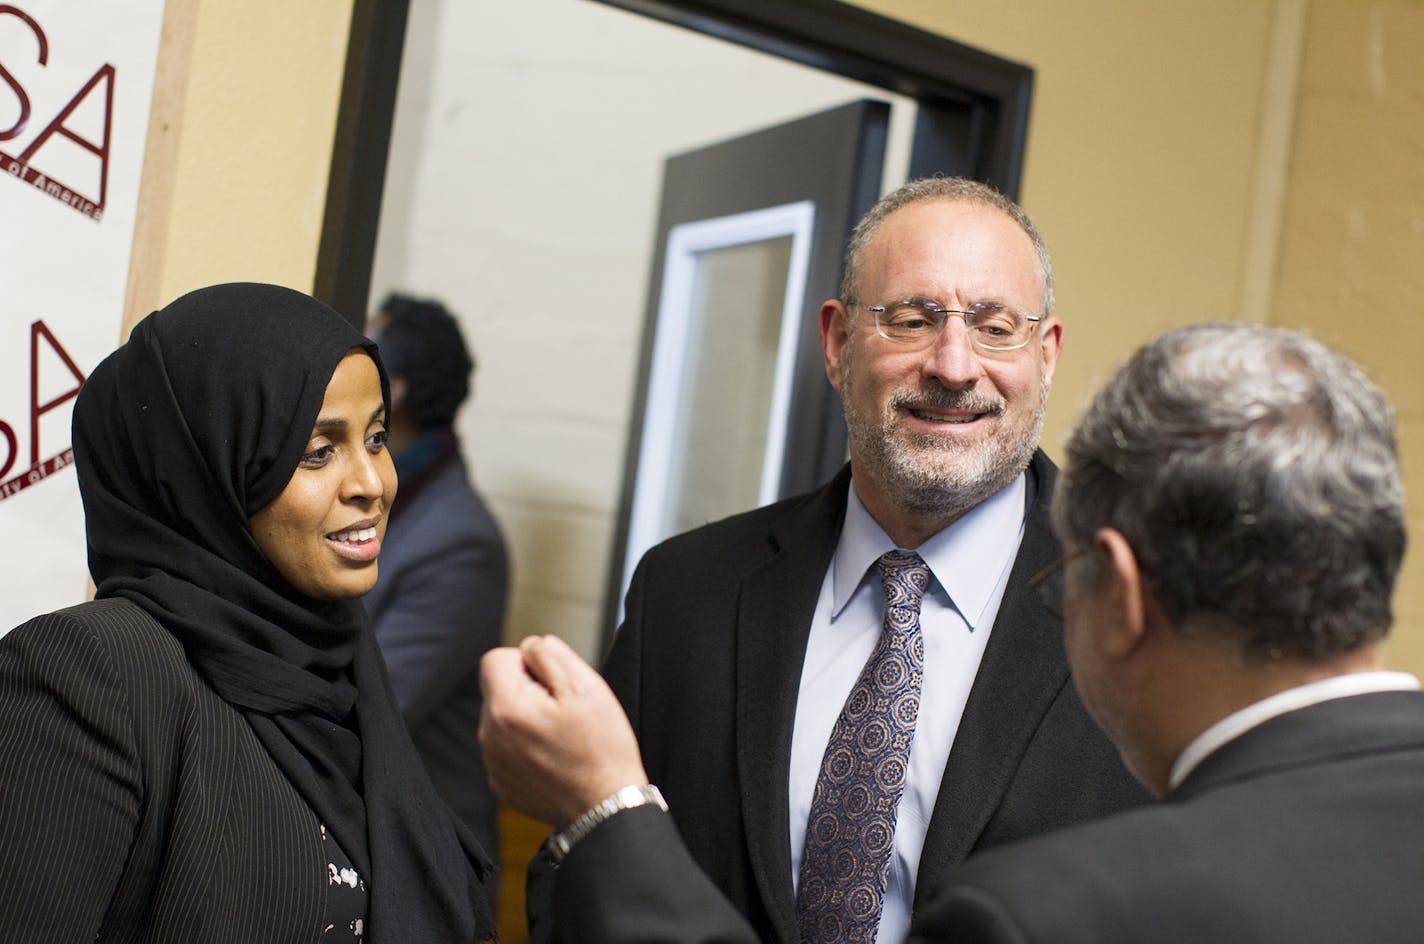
(851, 829)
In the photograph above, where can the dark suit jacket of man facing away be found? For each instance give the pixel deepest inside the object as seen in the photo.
(1306, 829)
(708, 665)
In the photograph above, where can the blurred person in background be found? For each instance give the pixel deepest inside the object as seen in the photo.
(439, 602)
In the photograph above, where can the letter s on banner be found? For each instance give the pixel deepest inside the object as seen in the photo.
(15, 86)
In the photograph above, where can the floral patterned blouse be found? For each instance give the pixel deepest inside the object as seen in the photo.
(346, 897)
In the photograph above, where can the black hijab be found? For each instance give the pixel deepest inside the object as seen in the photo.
(180, 435)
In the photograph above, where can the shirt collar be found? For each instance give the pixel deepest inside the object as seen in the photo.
(1302, 696)
(966, 559)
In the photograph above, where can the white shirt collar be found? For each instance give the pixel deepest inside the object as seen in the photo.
(1311, 693)
(967, 558)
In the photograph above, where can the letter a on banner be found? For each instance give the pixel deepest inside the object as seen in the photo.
(38, 409)
(65, 258)
(101, 151)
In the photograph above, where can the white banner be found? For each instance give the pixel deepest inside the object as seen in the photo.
(76, 82)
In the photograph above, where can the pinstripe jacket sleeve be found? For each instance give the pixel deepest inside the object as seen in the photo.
(136, 805)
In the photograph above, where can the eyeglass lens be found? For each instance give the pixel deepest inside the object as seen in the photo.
(991, 325)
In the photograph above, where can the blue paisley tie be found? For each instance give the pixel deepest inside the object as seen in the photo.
(851, 829)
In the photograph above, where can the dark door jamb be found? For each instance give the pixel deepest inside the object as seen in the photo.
(958, 87)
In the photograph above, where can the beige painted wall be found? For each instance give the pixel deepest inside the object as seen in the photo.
(1255, 160)
(239, 148)
(1352, 252)
(1142, 151)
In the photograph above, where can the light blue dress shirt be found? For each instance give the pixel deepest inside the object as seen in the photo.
(970, 563)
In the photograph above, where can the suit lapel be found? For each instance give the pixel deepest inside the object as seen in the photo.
(778, 600)
(1023, 670)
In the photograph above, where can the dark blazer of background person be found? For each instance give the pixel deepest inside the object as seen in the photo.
(724, 665)
(1308, 829)
(437, 607)
(173, 750)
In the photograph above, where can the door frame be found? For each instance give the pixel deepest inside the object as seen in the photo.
(847, 143)
(958, 88)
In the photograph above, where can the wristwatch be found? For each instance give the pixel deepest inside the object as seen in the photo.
(562, 841)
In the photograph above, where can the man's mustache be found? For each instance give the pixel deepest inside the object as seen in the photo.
(941, 399)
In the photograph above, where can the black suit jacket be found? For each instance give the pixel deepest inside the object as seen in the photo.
(1308, 829)
(135, 804)
(708, 663)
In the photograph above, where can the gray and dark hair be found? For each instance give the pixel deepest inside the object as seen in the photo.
(939, 188)
(1254, 472)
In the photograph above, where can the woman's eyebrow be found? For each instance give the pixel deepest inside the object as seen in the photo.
(327, 423)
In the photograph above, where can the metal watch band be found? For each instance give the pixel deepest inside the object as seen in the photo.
(561, 842)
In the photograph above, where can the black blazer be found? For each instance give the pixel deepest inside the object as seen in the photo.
(708, 663)
(1308, 829)
(136, 805)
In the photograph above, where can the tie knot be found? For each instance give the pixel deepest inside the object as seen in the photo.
(905, 577)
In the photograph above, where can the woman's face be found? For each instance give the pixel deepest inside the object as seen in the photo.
(323, 532)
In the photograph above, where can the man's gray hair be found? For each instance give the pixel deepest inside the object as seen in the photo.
(1254, 472)
(939, 188)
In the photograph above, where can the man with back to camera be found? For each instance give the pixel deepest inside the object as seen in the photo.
(1234, 525)
(438, 604)
(751, 645)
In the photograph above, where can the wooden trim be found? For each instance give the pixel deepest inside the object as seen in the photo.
(154, 212)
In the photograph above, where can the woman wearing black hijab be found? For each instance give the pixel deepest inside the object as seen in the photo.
(209, 751)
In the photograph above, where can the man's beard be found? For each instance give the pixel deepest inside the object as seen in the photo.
(932, 475)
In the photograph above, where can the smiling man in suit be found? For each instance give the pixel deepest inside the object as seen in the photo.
(1234, 521)
(751, 645)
